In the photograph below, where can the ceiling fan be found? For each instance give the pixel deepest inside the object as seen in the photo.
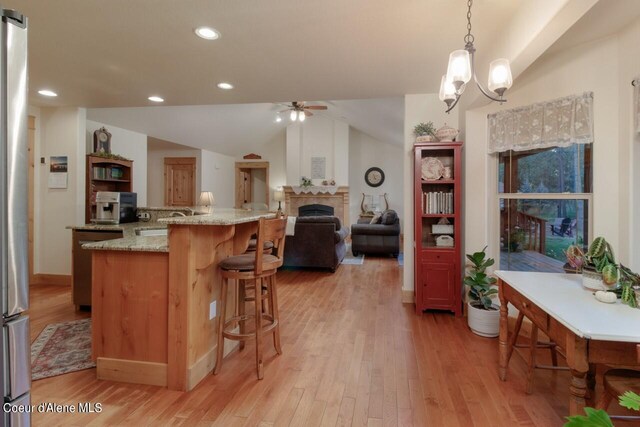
(300, 111)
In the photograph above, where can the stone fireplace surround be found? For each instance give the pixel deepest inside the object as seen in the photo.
(339, 201)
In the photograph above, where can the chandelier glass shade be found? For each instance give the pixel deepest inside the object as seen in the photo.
(461, 70)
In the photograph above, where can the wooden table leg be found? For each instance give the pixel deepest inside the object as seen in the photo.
(577, 359)
(504, 333)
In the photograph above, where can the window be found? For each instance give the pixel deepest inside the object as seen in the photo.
(544, 205)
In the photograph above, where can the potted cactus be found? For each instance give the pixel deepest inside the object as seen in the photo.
(484, 316)
(598, 265)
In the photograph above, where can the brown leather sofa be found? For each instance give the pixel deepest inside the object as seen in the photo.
(318, 242)
(379, 239)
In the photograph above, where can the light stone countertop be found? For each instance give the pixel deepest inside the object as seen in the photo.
(132, 242)
(219, 216)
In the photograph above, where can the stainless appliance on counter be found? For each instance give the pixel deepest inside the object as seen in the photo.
(115, 207)
(15, 357)
(107, 207)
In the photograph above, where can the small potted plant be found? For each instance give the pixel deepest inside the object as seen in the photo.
(425, 132)
(484, 316)
(516, 239)
(598, 264)
(630, 284)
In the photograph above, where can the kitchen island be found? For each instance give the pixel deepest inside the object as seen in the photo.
(154, 297)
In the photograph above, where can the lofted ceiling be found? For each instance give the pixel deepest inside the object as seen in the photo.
(234, 129)
(116, 53)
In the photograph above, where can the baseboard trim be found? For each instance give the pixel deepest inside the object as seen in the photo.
(131, 371)
(51, 279)
(408, 296)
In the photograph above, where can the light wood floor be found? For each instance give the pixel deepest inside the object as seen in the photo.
(353, 355)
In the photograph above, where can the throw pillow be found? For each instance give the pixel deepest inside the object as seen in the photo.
(376, 218)
(389, 217)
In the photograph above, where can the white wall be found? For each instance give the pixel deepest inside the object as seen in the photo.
(320, 137)
(131, 145)
(365, 152)
(218, 176)
(605, 67)
(61, 132)
(418, 108)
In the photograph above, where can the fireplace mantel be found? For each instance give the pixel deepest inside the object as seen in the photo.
(339, 201)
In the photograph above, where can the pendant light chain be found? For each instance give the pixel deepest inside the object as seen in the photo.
(469, 39)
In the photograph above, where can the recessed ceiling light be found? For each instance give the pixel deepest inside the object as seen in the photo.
(47, 92)
(207, 33)
(156, 99)
(225, 86)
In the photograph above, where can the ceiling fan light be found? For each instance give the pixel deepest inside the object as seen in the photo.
(293, 116)
(278, 118)
(459, 68)
(500, 78)
(301, 116)
(447, 90)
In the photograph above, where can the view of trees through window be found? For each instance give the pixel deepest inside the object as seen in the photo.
(536, 229)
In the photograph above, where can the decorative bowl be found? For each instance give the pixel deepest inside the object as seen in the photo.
(592, 280)
(446, 133)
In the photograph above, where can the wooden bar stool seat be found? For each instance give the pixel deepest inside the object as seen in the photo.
(255, 270)
(533, 345)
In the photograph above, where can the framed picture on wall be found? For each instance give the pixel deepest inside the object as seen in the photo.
(102, 141)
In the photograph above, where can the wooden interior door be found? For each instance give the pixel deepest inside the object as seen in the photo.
(31, 138)
(244, 178)
(179, 181)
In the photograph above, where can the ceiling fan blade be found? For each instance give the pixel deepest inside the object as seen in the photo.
(308, 113)
(316, 107)
(284, 111)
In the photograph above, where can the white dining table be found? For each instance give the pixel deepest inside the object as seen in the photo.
(589, 331)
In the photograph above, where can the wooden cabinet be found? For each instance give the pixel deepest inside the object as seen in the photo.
(105, 175)
(438, 226)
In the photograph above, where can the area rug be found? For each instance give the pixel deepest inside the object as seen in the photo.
(62, 348)
(349, 259)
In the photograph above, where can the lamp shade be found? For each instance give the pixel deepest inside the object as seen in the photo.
(206, 199)
(500, 76)
(447, 90)
(459, 69)
(278, 195)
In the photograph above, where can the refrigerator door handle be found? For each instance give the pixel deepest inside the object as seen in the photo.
(14, 105)
(18, 357)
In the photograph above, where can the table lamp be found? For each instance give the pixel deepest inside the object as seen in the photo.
(278, 196)
(206, 200)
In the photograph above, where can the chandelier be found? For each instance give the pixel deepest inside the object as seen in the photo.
(461, 69)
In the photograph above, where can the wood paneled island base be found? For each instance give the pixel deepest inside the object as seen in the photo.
(151, 309)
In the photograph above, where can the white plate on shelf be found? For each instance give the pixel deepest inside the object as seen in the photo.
(432, 169)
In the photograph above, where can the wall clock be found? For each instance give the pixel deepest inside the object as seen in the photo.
(374, 177)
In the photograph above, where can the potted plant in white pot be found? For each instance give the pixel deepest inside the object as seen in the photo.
(598, 265)
(484, 316)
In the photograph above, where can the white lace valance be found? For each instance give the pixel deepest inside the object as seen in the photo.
(556, 123)
(315, 189)
(636, 104)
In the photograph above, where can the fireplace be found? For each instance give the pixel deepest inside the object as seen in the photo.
(316, 210)
(339, 201)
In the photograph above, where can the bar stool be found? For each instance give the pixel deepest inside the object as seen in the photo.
(533, 345)
(259, 268)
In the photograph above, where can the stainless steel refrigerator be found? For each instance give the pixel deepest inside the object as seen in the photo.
(15, 355)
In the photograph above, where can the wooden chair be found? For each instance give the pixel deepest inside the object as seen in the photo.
(260, 269)
(616, 382)
(533, 345)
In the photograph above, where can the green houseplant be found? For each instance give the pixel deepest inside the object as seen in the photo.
(598, 264)
(425, 132)
(484, 317)
(599, 417)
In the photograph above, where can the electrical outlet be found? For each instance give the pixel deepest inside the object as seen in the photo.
(212, 310)
(144, 216)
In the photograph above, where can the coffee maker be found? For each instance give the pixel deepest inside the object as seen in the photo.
(107, 207)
